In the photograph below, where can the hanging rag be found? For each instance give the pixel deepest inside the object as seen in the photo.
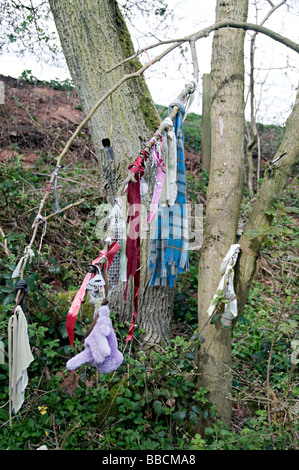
(55, 174)
(170, 241)
(226, 286)
(39, 218)
(157, 157)
(20, 357)
(169, 189)
(101, 348)
(133, 233)
(76, 304)
(28, 254)
(116, 231)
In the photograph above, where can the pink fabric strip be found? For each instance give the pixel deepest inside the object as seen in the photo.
(75, 307)
(157, 160)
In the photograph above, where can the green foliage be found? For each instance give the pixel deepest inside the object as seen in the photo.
(264, 332)
(185, 304)
(151, 393)
(192, 132)
(255, 435)
(27, 77)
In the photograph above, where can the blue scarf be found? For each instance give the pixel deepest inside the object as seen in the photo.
(170, 244)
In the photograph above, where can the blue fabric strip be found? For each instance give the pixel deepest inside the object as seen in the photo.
(169, 247)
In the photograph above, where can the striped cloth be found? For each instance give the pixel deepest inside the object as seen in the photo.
(170, 240)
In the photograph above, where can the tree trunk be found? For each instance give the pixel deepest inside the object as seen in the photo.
(223, 198)
(206, 122)
(94, 39)
(260, 218)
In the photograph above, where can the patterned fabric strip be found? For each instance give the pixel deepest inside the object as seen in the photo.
(170, 243)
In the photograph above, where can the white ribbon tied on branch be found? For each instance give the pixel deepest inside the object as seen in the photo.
(28, 253)
(226, 286)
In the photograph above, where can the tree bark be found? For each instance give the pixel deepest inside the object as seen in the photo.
(94, 38)
(206, 122)
(223, 198)
(255, 230)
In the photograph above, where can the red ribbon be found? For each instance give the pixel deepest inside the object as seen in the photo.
(133, 238)
(76, 304)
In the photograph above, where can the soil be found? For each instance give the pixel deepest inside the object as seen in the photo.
(37, 119)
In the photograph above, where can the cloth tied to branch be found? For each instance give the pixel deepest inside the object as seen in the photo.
(169, 189)
(76, 304)
(133, 233)
(226, 285)
(55, 174)
(116, 232)
(157, 156)
(40, 219)
(20, 357)
(28, 254)
(170, 240)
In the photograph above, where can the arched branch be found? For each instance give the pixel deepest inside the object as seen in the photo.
(215, 27)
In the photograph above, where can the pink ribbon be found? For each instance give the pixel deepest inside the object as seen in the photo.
(157, 160)
(76, 304)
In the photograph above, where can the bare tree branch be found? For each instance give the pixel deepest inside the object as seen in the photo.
(215, 27)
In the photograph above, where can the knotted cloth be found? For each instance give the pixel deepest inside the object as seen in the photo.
(116, 232)
(28, 253)
(226, 286)
(169, 189)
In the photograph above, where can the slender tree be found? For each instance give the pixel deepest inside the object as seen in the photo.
(223, 197)
(275, 179)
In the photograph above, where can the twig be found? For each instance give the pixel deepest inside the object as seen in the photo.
(4, 244)
(50, 216)
(252, 141)
(40, 221)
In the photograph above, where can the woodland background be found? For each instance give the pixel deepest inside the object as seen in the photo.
(151, 402)
(183, 388)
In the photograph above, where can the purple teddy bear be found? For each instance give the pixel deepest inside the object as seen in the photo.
(101, 349)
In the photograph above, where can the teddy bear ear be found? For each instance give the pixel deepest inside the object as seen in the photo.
(104, 309)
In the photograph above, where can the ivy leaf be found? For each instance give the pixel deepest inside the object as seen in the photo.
(214, 318)
(179, 416)
(159, 409)
(193, 418)
(8, 300)
(196, 409)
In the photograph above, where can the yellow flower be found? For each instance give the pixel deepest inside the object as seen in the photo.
(42, 409)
